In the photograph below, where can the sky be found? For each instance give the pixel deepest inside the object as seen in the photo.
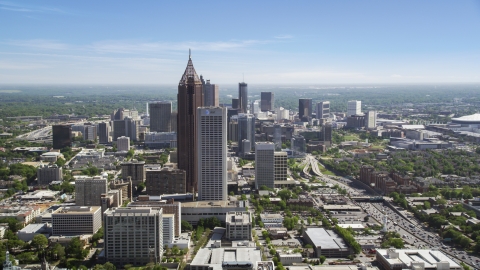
(260, 42)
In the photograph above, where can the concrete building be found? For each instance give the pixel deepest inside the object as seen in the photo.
(128, 127)
(164, 181)
(212, 153)
(323, 109)
(88, 190)
(125, 186)
(415, 259)
(23, 214)
(246, 130)
(159, 140)
(272, 220)
(210, 93)
(371, 120)
(192, 212)
(76, 220)
(133, 235)
(26, 234)
(168, 228)
(356, 121)
(298, 145)
(239, 226)
(267, 101)
(135, 170)
(90, 132)
(123, 143)
(48, 173)
(264, 165)
(354, 107)
(103, 132)
(280, 172)
(326, 243)
(160, 116)
(167, 206)
(305, 109)
(242, 97)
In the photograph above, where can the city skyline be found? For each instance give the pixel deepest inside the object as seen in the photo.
(309, 42)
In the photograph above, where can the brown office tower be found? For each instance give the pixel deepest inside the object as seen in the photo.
(189, 97)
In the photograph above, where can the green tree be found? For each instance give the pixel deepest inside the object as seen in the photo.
(75, 248)
(186, 226)
(40, 242)
(322, 259)
(109, 266)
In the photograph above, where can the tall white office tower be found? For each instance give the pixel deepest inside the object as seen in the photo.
(354, 107)
(323, 109)
(123, 143)
(211, 153)
(371, 119)
(264, 164)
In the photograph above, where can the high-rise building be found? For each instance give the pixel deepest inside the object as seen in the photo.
(127, 127)
(103, 132)
(283, 114)
(354, 107)
(236, 104)
(212, 153)
(239, 225)
(210, 93)
(277, 137)
(242, 97)
(264, 164)
(168, 228)
(371, 119)
(88, 190)
(323, 109)
(190, 97)
(305, 109)
(61, 136)
(246, 130)
(90, 132)
(255, 107)
(160, 116)
(267, 101)
(164, 180)
(133, 235)
(173, 121)
(123, 143)
(48, 173)
(280, 166)
(298, 145)
(135, 170)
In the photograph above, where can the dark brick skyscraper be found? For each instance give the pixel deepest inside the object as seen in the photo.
(189, 98)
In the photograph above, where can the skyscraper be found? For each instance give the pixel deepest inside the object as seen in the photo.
(323, 109)
(371, 119)
(267, 101)
(354, 107)
(242, 97)
(190, 97)
(61, 136)
(212, 153)
(246, 130)
(160, 116)
(264, 165)
(89, 189)
(305, 109)
(103, 132)
(210, 93)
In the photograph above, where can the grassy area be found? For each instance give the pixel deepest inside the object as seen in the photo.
(350, 138)
(326, 172)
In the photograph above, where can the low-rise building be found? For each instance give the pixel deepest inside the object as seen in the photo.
(272, 220)
(239, 225)
(421, 259)
(326, 243)
(192, 212)
(48, 173)
(290, 258)
(164, 181)
(26, 234)
(24, 214)
(76, 220)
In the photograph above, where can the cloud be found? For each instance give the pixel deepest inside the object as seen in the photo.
(25, 8)
(17, 66)
(284, 37)
(39, 44)
(113, 46)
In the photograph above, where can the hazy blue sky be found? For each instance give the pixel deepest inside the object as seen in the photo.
(311, 42)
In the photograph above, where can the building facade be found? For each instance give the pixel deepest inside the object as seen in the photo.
(165, 180)
(210, 94)
(135, 170)
(239, 226)
(267, 100)
(242, 97)
(246, 130)
(160, 116)
(212, 153)
(88, 190)
(354, 107)
(305, 109)
(190, 97)
(133, 235)
(371, 119)
(61, 136)
(76, 220)
(48, 173)
(280, 173)
(323, 109)
(123, 143)
(103, 132)
(264, 164)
